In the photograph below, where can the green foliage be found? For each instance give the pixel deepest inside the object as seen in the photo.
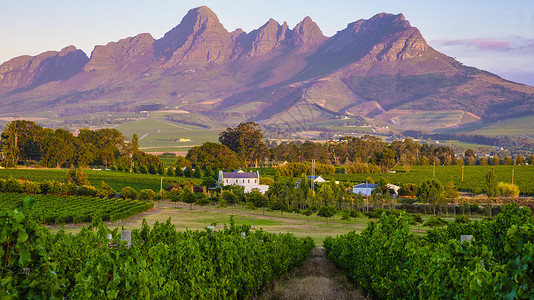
(105, 191)
(362, 168)
(210, 154)
(408, 190)
(326, 211)
(146, 194)
(257, 198)
(87, 190)
(450, 191)
(129, 193)
(162, 263)
(246, 140)
(508, 189)
(388, 261)
(52, 209)
(209, 182)
(430, 191)
(435, 222)
(491, 184)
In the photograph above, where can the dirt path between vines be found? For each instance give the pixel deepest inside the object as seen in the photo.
(317, 278)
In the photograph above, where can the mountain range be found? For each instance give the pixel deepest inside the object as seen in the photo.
(376, 69)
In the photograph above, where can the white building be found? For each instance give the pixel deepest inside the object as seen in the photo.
(366, 188)
(248, 180)
(316, 179)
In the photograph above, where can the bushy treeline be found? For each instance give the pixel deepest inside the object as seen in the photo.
(389, 261)
(25, 142)
(76, 183)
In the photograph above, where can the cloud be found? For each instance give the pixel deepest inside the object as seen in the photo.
(480, 44)
(485, 44)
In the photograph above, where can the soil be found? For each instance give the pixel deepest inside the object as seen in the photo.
(317, 278)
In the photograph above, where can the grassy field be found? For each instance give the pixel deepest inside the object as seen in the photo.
(512, 127)
(161, 135)
(428, 120)
(117, 180)
(460, 147)
(200, 217)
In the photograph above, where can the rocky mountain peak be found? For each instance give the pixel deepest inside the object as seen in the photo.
(199, 37)
(307, 32)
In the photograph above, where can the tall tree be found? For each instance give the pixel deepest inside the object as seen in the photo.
(20, 140)
(431, 191)
(58, 147)
(247, 141)
(491, 184)
(214, 155)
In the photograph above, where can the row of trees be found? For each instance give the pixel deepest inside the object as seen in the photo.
(27, 142)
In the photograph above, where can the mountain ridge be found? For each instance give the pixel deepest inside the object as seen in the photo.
(273, 74)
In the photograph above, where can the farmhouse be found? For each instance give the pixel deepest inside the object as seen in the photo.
(366, 188)
(249, 180)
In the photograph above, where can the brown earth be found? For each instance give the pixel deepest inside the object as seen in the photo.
(317, 278)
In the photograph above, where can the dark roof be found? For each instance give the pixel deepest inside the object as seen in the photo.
(240, 175)
(365, 185)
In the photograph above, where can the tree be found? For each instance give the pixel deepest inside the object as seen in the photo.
(146, 194)
(491, 184)
(450, 191)
(170, 172)
(326, 211)
(129, 193)
(508, 189)
(161, 168)
(135, 143)
(213, 155)
(188, 196)
(188, 172)
(198, 173)
(258, 199)
(202, 200)
(209, 182)
(247, 141)
(178, 172)
(430, 191)
(105, 191)
(57, 147)
(408, 190)
(21, 140)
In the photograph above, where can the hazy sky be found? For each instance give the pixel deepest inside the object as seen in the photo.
(497, 36)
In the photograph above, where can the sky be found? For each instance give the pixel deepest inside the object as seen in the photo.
(497, 36)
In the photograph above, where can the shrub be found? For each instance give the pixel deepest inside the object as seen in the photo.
(86, 190)
(129, 193)
(105, 191)
(31, 187)
(146, 194)
(435, 222)
(12, 185)
(508, 189)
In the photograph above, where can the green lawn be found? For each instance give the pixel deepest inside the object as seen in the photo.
(272, 221)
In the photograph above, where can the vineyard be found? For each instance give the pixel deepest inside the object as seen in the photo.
(388, 261)
(161, 263)
(116, 179)
(474, 176)
(50, 209)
